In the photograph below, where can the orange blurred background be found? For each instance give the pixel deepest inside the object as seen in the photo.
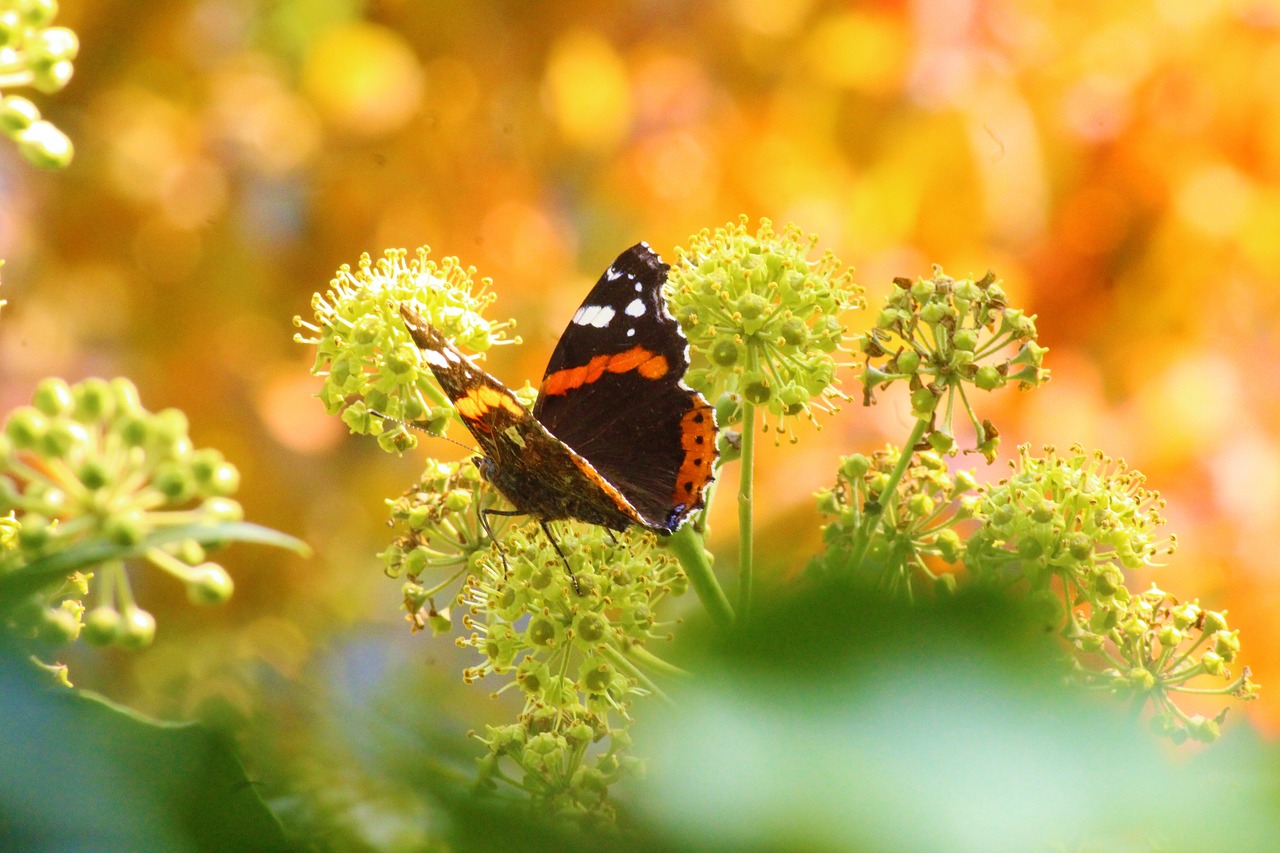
(1118, 165)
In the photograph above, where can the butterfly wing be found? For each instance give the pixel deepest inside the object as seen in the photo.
(614, 392)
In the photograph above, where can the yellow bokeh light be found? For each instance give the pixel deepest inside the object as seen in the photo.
(587, 91)
(363, 79)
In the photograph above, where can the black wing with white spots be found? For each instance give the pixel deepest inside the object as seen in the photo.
(614, 392)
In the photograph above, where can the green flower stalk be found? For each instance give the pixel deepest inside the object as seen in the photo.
(365, 355)
(918, 537)
(87, 463)
(767, 322)
(37, 55)
(577, 659)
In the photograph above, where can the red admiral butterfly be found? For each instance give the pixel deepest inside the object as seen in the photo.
(615, 438)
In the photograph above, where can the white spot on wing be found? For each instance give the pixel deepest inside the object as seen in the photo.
(435, 358)
(631, 333)
(612, 274)
(635, 308)
(594, 315)
(639, 287)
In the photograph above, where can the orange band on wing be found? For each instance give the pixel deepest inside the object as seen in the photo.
(479, 401)
(647, 363)
(698, 440)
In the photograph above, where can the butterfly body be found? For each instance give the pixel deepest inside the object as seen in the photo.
(616, 438)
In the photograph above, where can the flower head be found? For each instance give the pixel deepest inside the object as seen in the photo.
(917, 536)
(1083, 518)
(87, 463)
(941, 334)
(365, 354)
(572, 653)
(765, 318)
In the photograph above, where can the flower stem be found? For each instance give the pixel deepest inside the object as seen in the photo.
(746, 490)
(686, 544)
(871, 522)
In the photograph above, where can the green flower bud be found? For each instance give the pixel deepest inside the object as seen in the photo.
(127, 528)
(725, 351)
(988, 378)
(41, 143)
(1214, 621)
(965, 340)
(25, 427)
(855, 467)
(39, 13)
(794, 332)
(922, 289)
(102, 626)
(137, 629)
(1140, 679)
(1213, 663)
(209, 583)
(54, 44)
(907, 362)
(923, 402)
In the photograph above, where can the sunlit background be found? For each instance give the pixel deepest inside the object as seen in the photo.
(1117, 164)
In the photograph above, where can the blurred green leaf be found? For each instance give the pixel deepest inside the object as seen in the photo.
(81, 773)
(57, 566)
(843, 720)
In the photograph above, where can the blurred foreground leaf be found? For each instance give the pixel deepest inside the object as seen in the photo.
(80, 773)
(843, 720)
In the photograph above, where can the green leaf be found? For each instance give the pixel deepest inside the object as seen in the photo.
(81, 773)
(40, 573)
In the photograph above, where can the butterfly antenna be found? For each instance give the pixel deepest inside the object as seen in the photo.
(411, 425)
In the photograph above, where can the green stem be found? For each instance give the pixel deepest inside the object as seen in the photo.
(686, 544)
(746, 508)
(871, 523)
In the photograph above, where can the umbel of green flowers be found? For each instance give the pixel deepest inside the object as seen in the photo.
(34, 54)
(765, 317)
(370, 367)
(87, 463)
(945, 337)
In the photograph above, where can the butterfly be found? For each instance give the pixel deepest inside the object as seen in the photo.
(615, 438)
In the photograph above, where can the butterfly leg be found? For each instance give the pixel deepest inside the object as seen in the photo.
(564, 559)
(484, 522)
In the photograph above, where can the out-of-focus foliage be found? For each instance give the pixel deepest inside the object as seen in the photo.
(1119, 164)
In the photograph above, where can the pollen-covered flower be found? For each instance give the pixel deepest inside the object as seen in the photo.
(1083, 518)
(575, 652)
(916, 536)
(365, 354)
(940, 335)
(87, 463)
(766, 319)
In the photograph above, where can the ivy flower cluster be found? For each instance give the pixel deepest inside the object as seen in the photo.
(940, 334)
(1152, 647)
(33, 53)
(1081, 519)
(578, 659)
(365, 354)
(85, 464)
(766, 319)
(439, 540)
(917, 531)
